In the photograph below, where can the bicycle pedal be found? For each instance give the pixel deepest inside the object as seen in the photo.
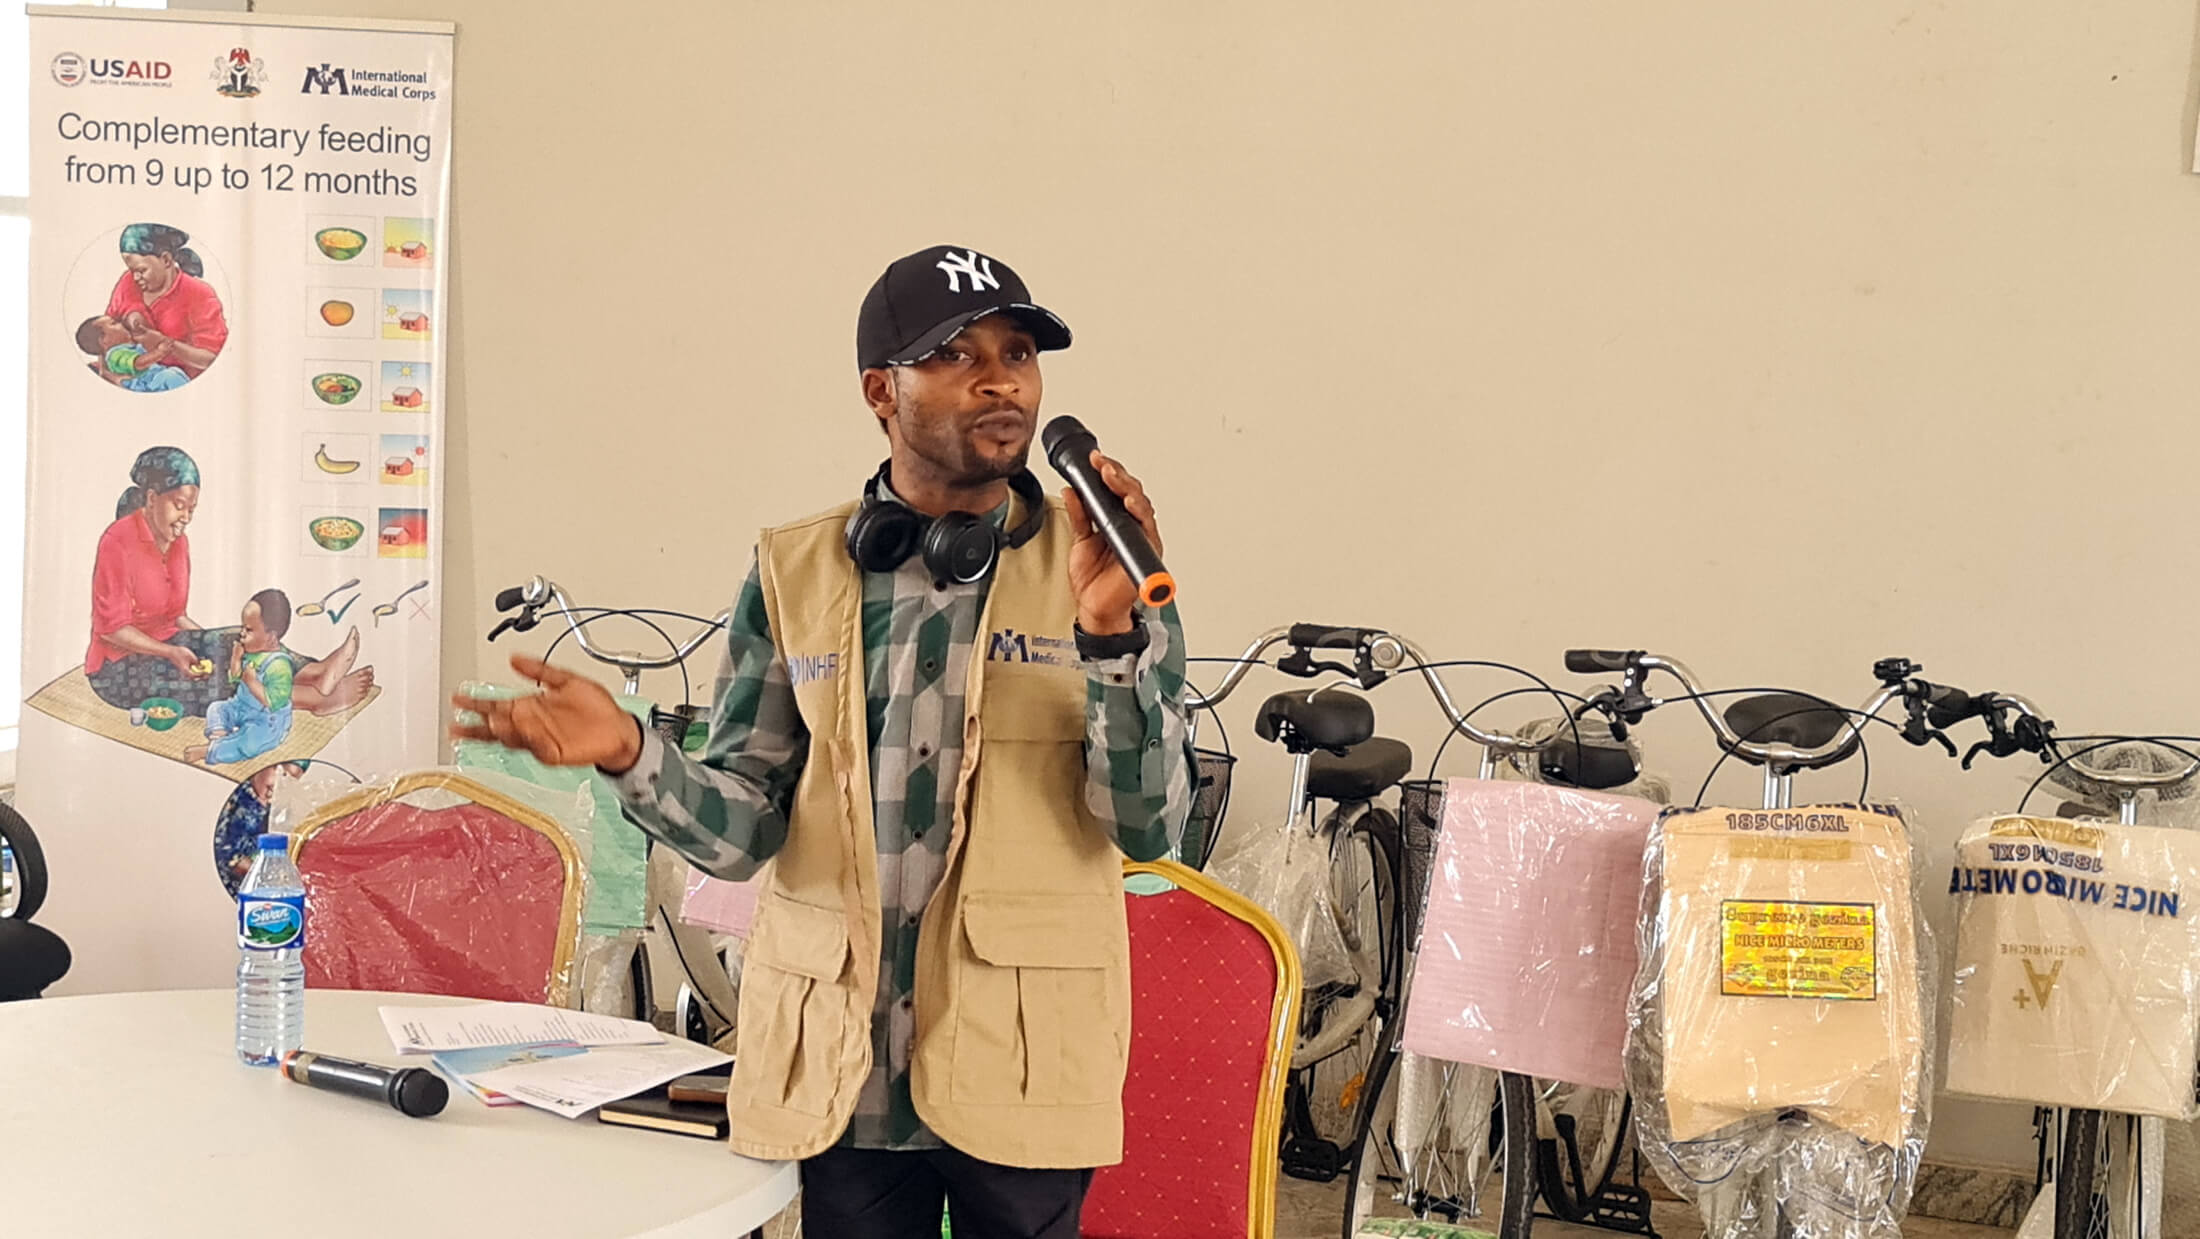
(1623, 1208)
(1315, 1161)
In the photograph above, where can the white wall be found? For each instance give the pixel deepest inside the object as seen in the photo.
(1777, 338)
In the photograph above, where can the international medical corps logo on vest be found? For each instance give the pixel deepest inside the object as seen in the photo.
(1011, 646)
(971, 263)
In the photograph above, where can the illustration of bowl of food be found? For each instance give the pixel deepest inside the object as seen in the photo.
(337, 313)
(335, 388)
(341, 244)
(336, 533)
(162, 713)
(329, 464)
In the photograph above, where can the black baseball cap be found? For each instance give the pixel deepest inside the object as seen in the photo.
(922, 300)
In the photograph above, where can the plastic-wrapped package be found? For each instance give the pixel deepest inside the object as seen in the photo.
(1528, 946)
(442, 882)
(1780, 1025)
(1287, 872)
(616, 898)
(2077, 972)
(718, 905)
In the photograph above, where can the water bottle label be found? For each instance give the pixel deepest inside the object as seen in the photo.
(271, 924)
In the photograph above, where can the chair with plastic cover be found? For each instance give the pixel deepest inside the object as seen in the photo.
(436, 883)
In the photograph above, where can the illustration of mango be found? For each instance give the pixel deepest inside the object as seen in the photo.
(329, 464)
(336, 313)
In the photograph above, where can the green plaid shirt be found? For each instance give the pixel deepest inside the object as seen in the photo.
(727, 812)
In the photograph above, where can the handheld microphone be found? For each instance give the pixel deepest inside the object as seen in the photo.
(409, 1090)
(1069, 448)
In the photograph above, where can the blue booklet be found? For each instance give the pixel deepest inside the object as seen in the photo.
(456, 1065)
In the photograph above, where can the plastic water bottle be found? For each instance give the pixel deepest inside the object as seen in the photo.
(271, 938)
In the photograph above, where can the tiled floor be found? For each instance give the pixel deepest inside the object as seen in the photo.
(1315, 1211)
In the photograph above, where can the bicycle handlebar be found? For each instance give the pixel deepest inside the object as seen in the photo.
(540, 592)
(1591, 662)
(2035, 732)
(1636, 665)
(1325, 637)
(1380, 653)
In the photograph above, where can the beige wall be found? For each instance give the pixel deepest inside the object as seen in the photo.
(1777, 337)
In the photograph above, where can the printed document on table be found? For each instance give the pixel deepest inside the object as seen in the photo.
(573, 1086)
(427, 1030)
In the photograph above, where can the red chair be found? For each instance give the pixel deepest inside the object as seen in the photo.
(1214, 1001)
(439, 884)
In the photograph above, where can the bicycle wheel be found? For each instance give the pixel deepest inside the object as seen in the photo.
(2081, 1200)
(1580, 1132)
(1451, 1141)
(1347, 1027)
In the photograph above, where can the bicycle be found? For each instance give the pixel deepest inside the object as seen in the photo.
(2104, 1168)
(1343, 1068)
(1782, 732)
(703, 1008)
(1580, 1131)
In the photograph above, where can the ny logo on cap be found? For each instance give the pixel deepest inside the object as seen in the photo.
(972, 264)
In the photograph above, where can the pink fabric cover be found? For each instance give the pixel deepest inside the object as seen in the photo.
(1528, 950)
(718, 905)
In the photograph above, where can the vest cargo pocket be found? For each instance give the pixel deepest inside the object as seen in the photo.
(793, 1011)
(1032, 1022)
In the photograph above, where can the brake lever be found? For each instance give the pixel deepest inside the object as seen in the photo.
(1917, 730)
(507, 624)
(1304, 665)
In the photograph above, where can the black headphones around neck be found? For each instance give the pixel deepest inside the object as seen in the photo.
(961, 548)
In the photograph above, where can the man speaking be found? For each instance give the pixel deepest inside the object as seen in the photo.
(942, 713)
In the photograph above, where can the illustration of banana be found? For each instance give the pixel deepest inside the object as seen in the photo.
(330, 465)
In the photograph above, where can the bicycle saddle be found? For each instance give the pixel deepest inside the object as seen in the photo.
(1326, 719)
(1791, 719)
(1364, 771)
(1593, 767)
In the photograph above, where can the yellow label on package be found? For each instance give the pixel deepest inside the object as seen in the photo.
(1798, 950)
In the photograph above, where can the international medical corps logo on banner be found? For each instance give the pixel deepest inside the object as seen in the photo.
(326, 79)
(239, 74)
(68, 69)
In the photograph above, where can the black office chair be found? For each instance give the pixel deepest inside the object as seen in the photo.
(32, 957)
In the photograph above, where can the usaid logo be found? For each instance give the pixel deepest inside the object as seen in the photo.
(71, 69)
(326, 79)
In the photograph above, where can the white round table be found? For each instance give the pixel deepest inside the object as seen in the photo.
(129, 1114)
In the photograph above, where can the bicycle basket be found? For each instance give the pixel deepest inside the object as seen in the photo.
(1210, 798)
(1420, 817)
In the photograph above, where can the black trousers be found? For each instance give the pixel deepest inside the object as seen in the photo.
(876, 1194)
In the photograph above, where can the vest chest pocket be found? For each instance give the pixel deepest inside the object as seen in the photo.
(793, 1014)
(1033, 1023)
